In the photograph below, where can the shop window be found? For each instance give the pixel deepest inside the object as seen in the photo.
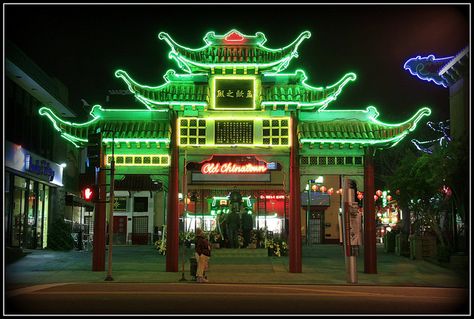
(140, 204)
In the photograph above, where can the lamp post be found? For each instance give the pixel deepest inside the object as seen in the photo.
(194, 200)
(308, 187)
(185, 207)
(111, 211)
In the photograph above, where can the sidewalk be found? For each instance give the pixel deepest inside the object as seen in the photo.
(321, 264)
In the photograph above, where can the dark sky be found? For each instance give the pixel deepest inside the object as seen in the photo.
(83, 45)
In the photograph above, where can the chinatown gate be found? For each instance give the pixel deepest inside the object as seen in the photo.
(232, 121)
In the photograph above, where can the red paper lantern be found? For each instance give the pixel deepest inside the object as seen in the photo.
(389, 197)
(314, 187)
(375, 197)
(323, 189)
(378, 192)
(360, 196)
(331, 191)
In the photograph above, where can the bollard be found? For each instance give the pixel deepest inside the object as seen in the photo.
(351, 265)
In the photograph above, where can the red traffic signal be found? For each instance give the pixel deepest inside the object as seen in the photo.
(89, 193)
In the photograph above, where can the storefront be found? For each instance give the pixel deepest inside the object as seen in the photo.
(234, 123)
(30, 183)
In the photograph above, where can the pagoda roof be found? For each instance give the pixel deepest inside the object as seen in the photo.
(277, 89)
(354, 127)
(149, 127)
(233, 50)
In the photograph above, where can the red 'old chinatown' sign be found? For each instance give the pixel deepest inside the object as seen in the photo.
(232, 168)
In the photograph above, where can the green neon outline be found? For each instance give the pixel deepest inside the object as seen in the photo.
(351, 76)
(215, 198)
(425, 111)
(135, 140)
(148, 103)
(46, 111)
(234, 77)
(97, 113)
(229, 118)
(185, 63)
(107, 163)
(259, 36)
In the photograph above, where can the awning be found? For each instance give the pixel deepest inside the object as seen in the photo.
(74, 200)
(138, 183)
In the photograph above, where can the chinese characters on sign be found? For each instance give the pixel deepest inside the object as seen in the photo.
(234, 93)
(234, 132)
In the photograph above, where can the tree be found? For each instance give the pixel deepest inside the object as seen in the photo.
(421, 179)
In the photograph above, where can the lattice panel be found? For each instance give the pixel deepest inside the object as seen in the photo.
(276, 132)
(192, 131)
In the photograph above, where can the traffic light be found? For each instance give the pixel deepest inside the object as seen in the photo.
(94, 149)
(90, 193)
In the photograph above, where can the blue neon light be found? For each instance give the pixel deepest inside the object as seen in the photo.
(427, 68)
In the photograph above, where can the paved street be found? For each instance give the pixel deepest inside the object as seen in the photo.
(241, 281)
(186, 298)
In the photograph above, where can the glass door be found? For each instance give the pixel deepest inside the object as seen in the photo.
(19, 193)
(39, 216)
(30, 222)
(45, 215)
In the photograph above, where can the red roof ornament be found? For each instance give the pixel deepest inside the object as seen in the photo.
(234, 37)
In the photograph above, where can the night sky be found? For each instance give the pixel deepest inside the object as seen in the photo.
(83, 45)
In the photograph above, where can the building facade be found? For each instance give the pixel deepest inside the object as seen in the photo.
(234, 123)
(40, 168)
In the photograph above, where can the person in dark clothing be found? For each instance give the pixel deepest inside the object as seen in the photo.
(203, 252)
(232, 223)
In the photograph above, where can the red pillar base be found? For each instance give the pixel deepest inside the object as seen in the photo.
(294, 240)
(370, 240)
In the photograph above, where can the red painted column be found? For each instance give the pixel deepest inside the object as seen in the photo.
(172, 218)
(98, 253)
(370, 250)
(295, 203)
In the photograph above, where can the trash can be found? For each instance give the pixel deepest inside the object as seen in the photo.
(193, 265)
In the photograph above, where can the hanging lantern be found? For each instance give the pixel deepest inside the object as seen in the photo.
(376, 197)
(378, 192)
(314, 187)
(397, 192)
(331, 191)
(360, 196)
(389, 197)
(323, 189)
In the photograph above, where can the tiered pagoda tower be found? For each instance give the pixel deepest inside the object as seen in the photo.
(231, 99)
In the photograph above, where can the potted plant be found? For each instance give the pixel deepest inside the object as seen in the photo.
(215, 239)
